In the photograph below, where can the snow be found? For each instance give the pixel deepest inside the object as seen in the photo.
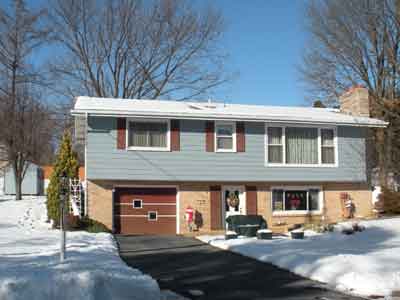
(364, 263)
(264, 231)
(225, 111)
(30, 266)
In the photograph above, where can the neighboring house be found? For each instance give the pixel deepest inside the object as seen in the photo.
(48, 171)
(32, 183)
(149, 160)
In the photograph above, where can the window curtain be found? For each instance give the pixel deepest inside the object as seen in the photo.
(147, 134)
(275, 145)
(301, 145)
(328, 148)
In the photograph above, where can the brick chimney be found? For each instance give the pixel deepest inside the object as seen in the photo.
(355, 102)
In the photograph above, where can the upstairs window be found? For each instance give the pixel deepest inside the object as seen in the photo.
(225, 137)
(327, 146)
(275, 145)
(300, 146)
(148, 135)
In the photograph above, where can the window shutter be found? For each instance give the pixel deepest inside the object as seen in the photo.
(210, 136)
(216, 207)
(251, 200)
(240, 137)
(175, 135)
(121, 133)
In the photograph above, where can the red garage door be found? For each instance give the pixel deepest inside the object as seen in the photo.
(145, 210)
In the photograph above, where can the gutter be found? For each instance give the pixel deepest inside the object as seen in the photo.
(278, 119)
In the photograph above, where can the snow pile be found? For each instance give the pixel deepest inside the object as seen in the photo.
(30, 267)
(364, 263)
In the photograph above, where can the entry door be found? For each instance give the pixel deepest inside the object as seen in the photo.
(234, 201)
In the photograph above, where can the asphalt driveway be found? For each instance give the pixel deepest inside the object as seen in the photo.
(200, 271)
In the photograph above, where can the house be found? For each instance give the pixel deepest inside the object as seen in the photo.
(147, 161)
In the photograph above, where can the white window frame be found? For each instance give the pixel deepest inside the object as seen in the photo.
(133, 203)
(152, 212)
(284, 164)
(335, 150)
(233, 124)
(298, 212)
(137, 148)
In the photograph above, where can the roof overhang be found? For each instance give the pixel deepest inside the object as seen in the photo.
(224, 117)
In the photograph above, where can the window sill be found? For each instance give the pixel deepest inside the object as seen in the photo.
(300, 166)
(152, 149)
(225, 151)
(296, 213)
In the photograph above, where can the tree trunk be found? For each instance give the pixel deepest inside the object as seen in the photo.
(18, 186)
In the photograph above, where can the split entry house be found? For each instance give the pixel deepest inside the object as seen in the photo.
(147, 161)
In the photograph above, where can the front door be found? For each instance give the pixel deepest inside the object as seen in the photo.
(234, 201)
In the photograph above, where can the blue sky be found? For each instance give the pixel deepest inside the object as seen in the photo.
(265, 40)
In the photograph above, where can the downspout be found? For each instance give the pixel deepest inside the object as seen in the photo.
(85, 154)
(112, 211)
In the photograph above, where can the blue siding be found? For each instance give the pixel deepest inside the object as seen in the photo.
(193, 163)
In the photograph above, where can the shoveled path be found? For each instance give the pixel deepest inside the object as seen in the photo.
(182, 264)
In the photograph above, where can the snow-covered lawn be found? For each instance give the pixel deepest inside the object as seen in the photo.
(30, 267)
(365, 263)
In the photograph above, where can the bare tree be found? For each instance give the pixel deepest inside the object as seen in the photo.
(23, 120)
(358, 42)
(131, 49)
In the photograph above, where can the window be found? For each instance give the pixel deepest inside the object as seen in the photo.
(137, 203)
(296, 200)
(150, 135)
(327, 146)
(225, 137)
(300, 146)
(152, 216)
(275, 145)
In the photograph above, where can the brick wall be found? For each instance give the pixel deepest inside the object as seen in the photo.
(198, 197)
(100, 202)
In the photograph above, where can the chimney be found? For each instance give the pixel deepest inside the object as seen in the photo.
(355, 102)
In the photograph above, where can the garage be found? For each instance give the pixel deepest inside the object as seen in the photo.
(145, 210)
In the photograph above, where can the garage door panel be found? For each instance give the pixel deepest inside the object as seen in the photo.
(128, 199)
(142, 226)
(124, 209)
(130, 220)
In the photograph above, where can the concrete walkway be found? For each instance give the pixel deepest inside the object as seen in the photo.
(199, 271)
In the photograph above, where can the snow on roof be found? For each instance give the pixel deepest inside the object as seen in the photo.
(216, 111)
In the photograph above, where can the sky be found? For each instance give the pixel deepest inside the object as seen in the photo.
(264, 40)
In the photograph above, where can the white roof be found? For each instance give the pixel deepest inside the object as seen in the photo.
(216, 111)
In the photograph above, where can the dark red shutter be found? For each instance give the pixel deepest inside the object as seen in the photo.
(240, 137)
(121, 133)
(216, 207)
(251, 200)
(175, 135)
(210, 136)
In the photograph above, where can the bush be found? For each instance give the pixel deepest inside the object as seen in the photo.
(390, 201)
(66, 162)
(72, 222)
(92, 226)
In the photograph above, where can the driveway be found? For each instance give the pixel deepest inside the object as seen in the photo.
(200, 271)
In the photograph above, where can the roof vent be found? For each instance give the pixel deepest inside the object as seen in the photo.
(193, 106)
